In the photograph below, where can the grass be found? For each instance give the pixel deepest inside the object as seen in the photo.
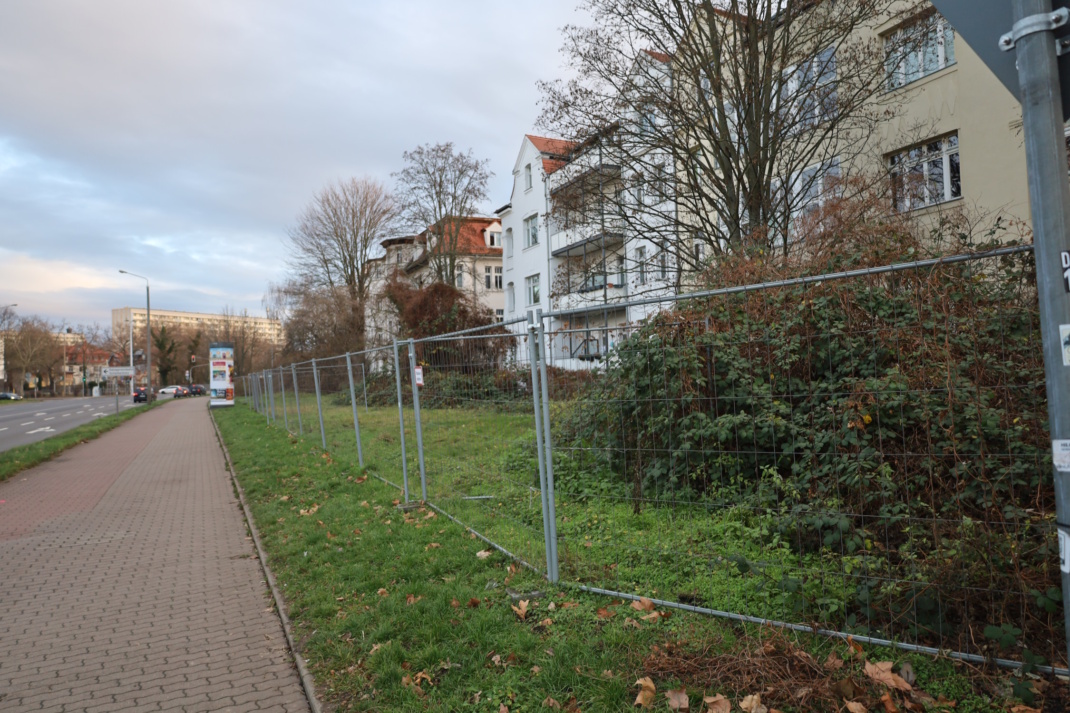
(399, 611)
(19, 458)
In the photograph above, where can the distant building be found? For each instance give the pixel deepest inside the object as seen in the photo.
(478, 255)
(270, 330)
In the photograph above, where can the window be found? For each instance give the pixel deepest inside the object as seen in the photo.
(509, 242)
(494, 240)
(510, 298)
(640, 261)
(532, 288)
(531, 231)
(487, 276)
(926, 175)
(919, 50)
(459, 279)
(663, 265)
(622, 272)
(527, 177)
(808, 95)
(700, 250)
(648, 120)
(497, 278)
(499, 315)
(815, 186)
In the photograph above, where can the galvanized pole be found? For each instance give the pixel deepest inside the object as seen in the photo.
(264, 396)
(401, 418)
(533, 358)
(1049, 194)
(416, 418)
(282, 390)
(271, 395)
(319, 403)
(297, 399)
(364, 381)
(353, 403)
(548, 445)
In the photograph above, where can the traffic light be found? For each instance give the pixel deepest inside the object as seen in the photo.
(192, 358)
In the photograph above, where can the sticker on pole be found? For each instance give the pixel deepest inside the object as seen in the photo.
(1064, 342)
(419, 376)
(1064, 552)
(1060, 455)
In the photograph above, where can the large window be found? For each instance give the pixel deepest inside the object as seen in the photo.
(492, 277)
(808, 95)
(527, 177)
(916, 51)
(532, 288)
(531, 231)
(509, 242)
(815, 186)
(640, 265)
(927, 174)
(510, 298)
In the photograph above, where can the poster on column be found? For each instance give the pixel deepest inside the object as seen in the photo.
(221, 374)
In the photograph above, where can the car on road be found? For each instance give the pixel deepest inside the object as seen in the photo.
(185, 392)
(8, 396)
(197, 390)
(172, 391)
(141, 395)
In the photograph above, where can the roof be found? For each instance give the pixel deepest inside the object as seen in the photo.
(659, 56)
(470, 241)
(555, 151)
(398, 240)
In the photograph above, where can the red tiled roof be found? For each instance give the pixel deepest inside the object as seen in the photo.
(554, 147)
(470, 241)
(659, 56)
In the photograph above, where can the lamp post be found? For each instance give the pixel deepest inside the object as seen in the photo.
(3, 372)
(131, 325)
(148, 333)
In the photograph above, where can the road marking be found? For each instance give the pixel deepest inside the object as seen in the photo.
(44, 412)
(65, 415)
(43, 429)
(28, 423)
(4, 428)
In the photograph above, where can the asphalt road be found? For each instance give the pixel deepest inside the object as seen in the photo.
(22, 423)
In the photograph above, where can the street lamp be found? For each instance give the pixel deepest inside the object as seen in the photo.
(148, 333)
(3, 372)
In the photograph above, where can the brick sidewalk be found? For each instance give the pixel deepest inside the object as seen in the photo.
(127, 580)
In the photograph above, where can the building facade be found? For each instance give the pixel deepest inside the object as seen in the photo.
(266, 329)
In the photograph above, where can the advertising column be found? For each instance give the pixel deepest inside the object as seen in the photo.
(221, 366)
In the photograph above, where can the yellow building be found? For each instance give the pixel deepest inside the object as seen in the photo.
(269, 330)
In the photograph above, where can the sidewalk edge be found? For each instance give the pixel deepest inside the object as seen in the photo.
(307, 682)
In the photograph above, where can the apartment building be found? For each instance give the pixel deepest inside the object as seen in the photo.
(266, 329)
(477, 252)
(381, 320)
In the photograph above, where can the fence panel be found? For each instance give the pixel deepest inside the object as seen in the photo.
(868, 455)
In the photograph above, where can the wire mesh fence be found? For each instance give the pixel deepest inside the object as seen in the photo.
(864, 454)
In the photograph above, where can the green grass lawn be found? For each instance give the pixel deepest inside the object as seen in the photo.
(19, 458)
(407, 611)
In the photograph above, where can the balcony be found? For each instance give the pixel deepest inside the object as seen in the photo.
(588, 239)
(592, 298)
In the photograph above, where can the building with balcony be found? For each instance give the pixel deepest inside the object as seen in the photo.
(263, 328)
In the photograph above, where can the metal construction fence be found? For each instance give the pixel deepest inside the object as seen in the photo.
(862, 453)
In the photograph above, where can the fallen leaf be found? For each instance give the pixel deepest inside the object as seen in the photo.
(433, 546)
(889, 704)
(653, 616)
(484, 554)
(833, 662)
(604, 613)
(844, 689)
(412, 599)
(395, 502)
(522, 610)
(285, 498)
(546, 622)
(855, 707)
(608, 673)
(357, 532)
(753, 704)
(455, 604)
(473, 603)
(408, 682)
(856, 648)
(678, 700)
(1024, 709)
(643, 604)
(882, 673)
(423, 676)
(569, 605)
(382, 592)
(628, 621)
(430, 514)
(502, 708)
(717, 704)
(361, 479)
(587, 543)
(374, 649)
(906, 672)
(364, 503)
(646, 692)
(536, 669)
(551, 703)
(552, 606)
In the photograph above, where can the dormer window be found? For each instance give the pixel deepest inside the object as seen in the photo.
(494, 239)
(527, 177)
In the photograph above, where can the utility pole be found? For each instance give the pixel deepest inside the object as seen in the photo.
(1033, 39)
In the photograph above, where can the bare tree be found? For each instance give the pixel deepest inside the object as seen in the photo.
(34, 350)
(718, 124)
(335, 237)
(437, 189)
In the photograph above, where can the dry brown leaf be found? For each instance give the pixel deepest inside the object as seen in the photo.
(375, 648)
(882, 673)
(608, 673)
(855, 707)
(522, 610)
(906, 672)
(856, 649)
(604, 613)
(647, 689)
(484, 554)
(833, 662)
(678, 700)
(628, 621)
(383, 592)
(753, 704)
(888, 703)
(536, 669)
(643, 604)
(502, 708)
(433, 546)
(361, 479)
(364, 503)
(430, 514)
(412, 599)
(1024, 709)
(844, 689)
(653, 616)
(551, 704)
(717, 704)
(473, 603)
(546, 622)
(569, 605)
(552, 606)
(455, 604)
(357, 531)
(423, 676)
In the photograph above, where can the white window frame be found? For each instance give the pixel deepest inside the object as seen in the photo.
(510, 297)
(494, 239)
(532, 289)
(528, 182)
(509, 242)
(931, 165)
(531, 231)
(497, 278)
(487, 276)
(808, 92)
(910, 55)
(640, 262)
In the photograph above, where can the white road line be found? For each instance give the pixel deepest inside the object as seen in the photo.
(43, 412)
(28, 423)
(4, 428)
(53, 418)
(65, 415)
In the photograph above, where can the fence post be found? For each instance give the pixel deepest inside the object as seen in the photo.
(271, 395)
(533, 359)
(416, 418)
(401, 418)
(364, 381)
(282, 390)
(353, 403)
(548, 445)
(297, 399)
(264, 396)
(319, 403)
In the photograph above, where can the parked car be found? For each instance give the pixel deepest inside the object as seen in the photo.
(9, 396)
(172, 391)
(197, 390)
(141, 395)
(185, 392)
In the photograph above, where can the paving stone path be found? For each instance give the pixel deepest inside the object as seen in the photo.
(128, 581)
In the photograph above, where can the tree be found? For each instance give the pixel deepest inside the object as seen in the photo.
(32, 349)
(437, 189)
(335, 237)
(743, 112)
(165, 355)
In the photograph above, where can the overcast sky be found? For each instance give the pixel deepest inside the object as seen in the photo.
(178, 140)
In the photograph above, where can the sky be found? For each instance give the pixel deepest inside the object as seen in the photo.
(179, 140)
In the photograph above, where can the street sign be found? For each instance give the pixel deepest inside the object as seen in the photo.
(981, 23)
(116, 372)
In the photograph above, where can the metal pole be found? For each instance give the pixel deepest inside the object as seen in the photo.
(533, 358)
(416, 418)
(264, 396)
(282, 390)
(401, 418)
(271, 395)
(353, 403)
(115, 385)
(552, 573)
(319, 404)
(134, 377)
(1049, 194)
(148, 342)
(297, 399)
(364, 381)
